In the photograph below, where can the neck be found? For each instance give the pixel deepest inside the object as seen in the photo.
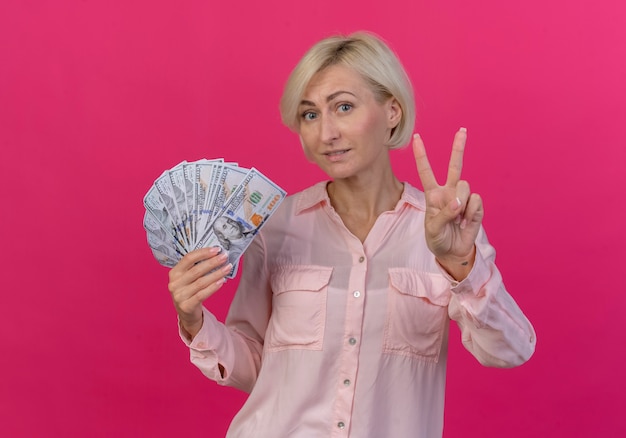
(365, 200)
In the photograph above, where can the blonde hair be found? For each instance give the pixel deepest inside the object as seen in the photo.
(368, 55)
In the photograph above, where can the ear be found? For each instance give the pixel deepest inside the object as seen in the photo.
(394, 112)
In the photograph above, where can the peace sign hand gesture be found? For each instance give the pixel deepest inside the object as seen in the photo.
(453, 214)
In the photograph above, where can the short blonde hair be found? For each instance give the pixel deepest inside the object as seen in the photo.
(368, 55)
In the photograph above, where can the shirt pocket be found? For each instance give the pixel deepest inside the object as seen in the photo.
(417, 314)
(298, 307)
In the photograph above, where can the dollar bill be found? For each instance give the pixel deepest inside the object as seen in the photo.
(190, 197)
(165, 188)
(177, 179)
(162, 252)
(207, 203)
(156, 207)
(225, 184)
(163, 245)
(243, 215)
(203, 180)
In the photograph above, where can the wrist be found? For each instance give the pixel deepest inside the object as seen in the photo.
(190, 327)
(458, 267)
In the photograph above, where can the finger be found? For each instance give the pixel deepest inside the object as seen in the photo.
(462, 195)
(425, 172)
(456, 157)
(206, 286)
(447, 215)
(180, 281)
(206, 267)
(192, 258)
(454, 211)
(474, 211)
(186, 294)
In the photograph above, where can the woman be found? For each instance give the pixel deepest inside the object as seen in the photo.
(340, 322)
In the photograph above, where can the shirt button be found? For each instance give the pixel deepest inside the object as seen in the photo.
(341, 425)
(361, 259)
(346, 382)
(356, 294)
(352, 341)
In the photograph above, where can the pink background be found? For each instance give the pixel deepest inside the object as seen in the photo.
(98, 98)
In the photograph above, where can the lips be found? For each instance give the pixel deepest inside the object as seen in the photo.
(336, 156)
(335, 153)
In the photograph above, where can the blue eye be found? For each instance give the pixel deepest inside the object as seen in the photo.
(309, 115)
(345, 107)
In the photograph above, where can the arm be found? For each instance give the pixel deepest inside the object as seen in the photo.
(493, 327)
(230, 353)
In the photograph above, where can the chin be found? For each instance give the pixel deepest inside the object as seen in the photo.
(341, 170)
(339, 174)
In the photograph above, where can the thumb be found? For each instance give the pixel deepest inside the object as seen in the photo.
(448, 214)
(452, 210)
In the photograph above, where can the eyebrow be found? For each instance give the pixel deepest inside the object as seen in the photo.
(328, 99)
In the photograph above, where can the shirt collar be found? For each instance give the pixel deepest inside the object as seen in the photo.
(317, 195)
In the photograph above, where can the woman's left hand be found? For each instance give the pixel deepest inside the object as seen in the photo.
(453, 213)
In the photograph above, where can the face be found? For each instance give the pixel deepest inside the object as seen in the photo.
(343, 127)
(227, 228)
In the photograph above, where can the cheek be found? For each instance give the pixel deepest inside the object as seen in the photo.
(364, 124)
(374, 128)
(376, 122)
(305, 149)
(308, 155)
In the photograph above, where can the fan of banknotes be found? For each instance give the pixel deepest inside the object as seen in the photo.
(207, 203)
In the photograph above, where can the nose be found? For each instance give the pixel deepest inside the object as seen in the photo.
(329, 129)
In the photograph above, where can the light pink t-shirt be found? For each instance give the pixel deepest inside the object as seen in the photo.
(337, 338)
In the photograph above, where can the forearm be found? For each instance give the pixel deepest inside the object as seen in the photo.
(493, 327)
(223, 354)
(231, 353)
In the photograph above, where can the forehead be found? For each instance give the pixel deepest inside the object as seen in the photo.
(335, 78)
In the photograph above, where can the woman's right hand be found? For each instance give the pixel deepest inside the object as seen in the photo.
(197, 276)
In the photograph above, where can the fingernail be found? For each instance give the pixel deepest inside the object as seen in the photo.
(463, 224)
(463, 129)
(455, 205)
(227, 268)
(416, 135)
